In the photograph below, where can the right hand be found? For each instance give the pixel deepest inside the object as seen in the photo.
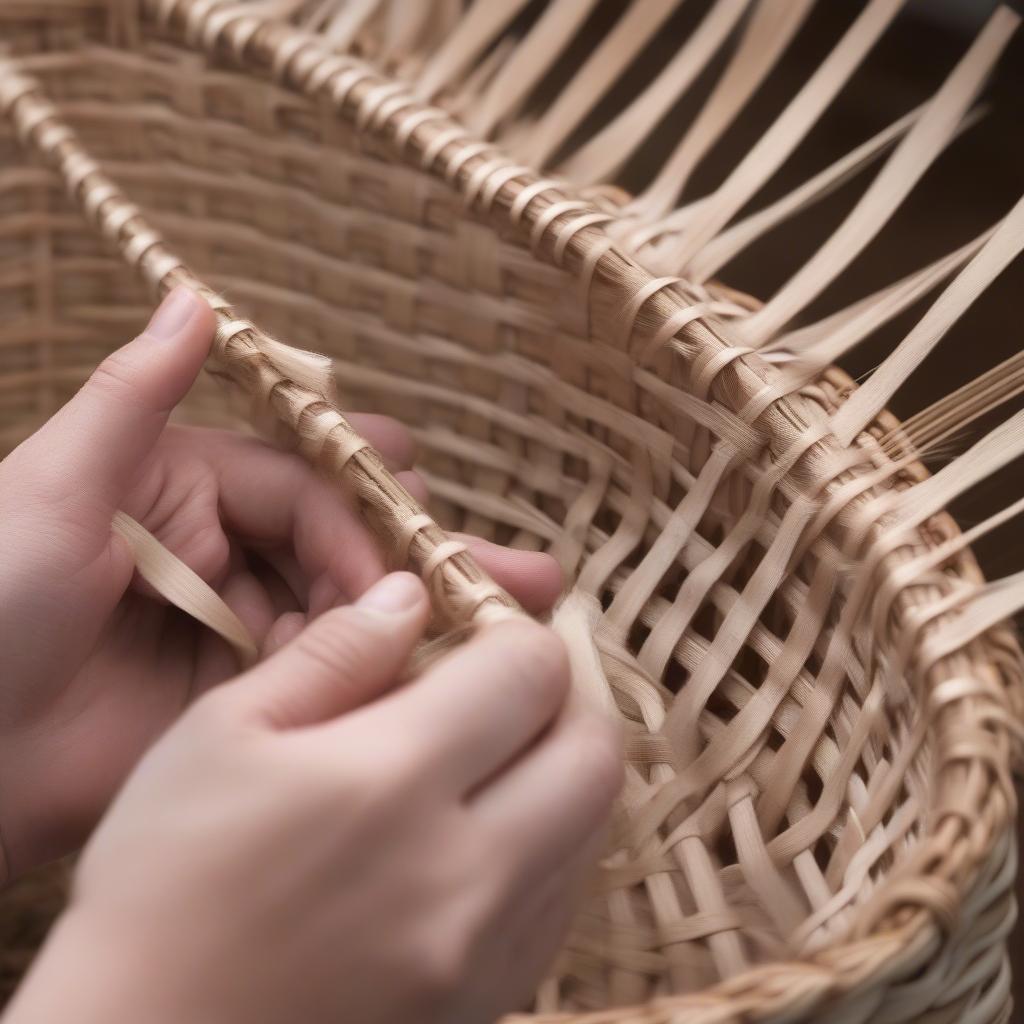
(310, 843)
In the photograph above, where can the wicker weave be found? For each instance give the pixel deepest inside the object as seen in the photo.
(820, 699)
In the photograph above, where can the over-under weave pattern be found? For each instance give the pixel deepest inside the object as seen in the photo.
(818, 694)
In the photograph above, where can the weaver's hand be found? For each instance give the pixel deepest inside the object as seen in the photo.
(310, 844)
(93, 667)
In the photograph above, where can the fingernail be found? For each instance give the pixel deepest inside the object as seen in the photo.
(395, 593)
(172, 314)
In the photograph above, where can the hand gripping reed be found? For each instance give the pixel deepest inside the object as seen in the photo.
(295, 386)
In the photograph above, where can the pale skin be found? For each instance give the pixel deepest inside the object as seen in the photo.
(308, 840)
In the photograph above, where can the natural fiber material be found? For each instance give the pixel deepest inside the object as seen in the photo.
(820, 698)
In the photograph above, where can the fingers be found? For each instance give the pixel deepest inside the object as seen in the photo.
(482, 705)
(344, 659)
(93, 447)
(268, 497)
(274, 499)
(533, 578)
(214, 660)
(284, 630)
(414, 484)
(559, 793)
(390, 438)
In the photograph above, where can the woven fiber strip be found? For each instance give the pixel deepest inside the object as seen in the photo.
(821, 697)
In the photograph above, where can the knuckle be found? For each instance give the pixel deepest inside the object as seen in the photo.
(209, 550)
(115, 376)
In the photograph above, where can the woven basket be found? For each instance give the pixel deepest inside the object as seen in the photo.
(820, 696)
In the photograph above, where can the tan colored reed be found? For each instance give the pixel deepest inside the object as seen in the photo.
(821, 699)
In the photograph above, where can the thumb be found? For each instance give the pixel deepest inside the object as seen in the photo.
(94, 445)
(344, 659)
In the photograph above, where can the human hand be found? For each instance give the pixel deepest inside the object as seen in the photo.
(311, 844)
(93, 667)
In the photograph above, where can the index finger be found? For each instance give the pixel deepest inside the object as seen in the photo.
(272, 498)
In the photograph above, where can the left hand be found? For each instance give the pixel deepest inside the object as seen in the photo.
(93, 666)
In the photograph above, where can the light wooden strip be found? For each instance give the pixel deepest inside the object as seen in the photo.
(600, 71)
(899, 175)
(823, 341)
(532, 57)
(769, 32)
(169, 576)
(479, 26)
(729, 243)
(789, 129)
(996, 603)
(954, 411)
(340, 30)
(998, 448)
(607, 151)
(1000, 250)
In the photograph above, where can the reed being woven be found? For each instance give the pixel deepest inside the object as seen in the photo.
(821, 697)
